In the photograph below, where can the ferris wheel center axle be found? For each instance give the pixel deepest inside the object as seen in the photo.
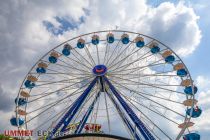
(99, 70)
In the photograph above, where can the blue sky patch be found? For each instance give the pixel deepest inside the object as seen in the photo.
(65, 25)
(156, 3)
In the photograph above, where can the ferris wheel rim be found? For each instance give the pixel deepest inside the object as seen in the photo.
(113, 31)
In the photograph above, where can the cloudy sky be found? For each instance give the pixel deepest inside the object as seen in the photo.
(28, 29)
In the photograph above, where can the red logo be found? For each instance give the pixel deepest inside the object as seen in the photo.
(15, 133)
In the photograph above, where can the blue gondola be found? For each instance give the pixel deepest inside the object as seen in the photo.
(52, 59)
(188, 90)
(195, 113)
(155, 49)
(140, 44)
(110, 38)
(66, 51)
(125, 39)
(170, 59)
(20, 101)
(16, 122)
(40, 70)
(80, 44)
(95, 41)
(29, 84)
(181, 72)
(191, 136)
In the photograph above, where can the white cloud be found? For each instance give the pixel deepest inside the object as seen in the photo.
(24, 38)
(174, 25)
(202, 82)
(5, 118)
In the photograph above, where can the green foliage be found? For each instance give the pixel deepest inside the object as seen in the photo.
(3, 137)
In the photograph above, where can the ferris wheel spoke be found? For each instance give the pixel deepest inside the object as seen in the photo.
(59, 114)
(146, 75)
(64, 73)
(71, 67)
(137, 108)
(96, 114)
(131, 102)
(58, 101)
(53, 105)
(82, 107)
(150, 129)
(89, 55)
(64, 66)
(93, 113)
(136, 83)
(137, 60)
(139, 68)
(141, 80)
(143, 77)
(40, 113)
(67, 79)
(56, 91)
(118, 55)
(107, 113)
(82, 58)
(122, 60)
(63, 88)
(161, 105)
(69, 107)
(145, 83)
(126, 57)
(145, 97)
(40, 93)
(130, 81)
(63, 81)
(147, 94)
(122, 116)
(56, 83)
(105, 55)
(42, 107)
(52, 75)
(151, 85)
(97, 54)
(47, 98)
(67, 66)
(121, 67)
(71, 59)
(61, 73)
(112, 52)
(154, 111)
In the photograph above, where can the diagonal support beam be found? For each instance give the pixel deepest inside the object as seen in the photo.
(139, 124)
(125, 120)
(86, 116)
(66, 119)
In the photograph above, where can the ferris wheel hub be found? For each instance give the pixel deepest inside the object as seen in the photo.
(99, 70)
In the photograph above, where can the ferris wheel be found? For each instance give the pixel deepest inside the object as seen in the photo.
(110, 82)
